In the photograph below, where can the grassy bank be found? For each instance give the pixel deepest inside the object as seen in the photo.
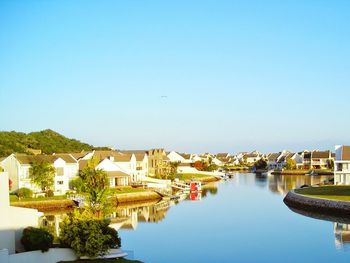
(14, 198)
(335, 192)
(45, 205)
(126, 190)
(303, 172)
(196, 176)
(133, 197)
(120, 195)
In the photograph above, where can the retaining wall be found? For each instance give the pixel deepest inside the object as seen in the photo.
(307, 203)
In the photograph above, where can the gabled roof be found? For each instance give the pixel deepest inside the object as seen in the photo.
(118, 156)
(80, 155)
(222, 155)
(251, 155)
(273, 156)
(140, 156)
(321, 154)
(185, 155)
(117, 174)
(28, 159)
(68, 158)
(83, 164)
(345, 153)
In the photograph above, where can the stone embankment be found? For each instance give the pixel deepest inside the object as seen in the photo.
(46, 205)
(136, 197)
(306, 203)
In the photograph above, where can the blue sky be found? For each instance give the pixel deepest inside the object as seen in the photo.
(237, 75)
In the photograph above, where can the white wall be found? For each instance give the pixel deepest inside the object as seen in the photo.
(13, 219)
(52, 256)
(10, 165)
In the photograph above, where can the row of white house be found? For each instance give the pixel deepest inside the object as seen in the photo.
(122, 168)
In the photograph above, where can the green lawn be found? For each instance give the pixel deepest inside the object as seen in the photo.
(338, 192)
(126, 189)
(14, 198)
(189, 176)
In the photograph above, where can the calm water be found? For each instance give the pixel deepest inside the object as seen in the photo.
(239, 220)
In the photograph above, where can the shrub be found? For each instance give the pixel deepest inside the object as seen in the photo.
(77, 184)
(49, 193)
(36, 239)
(114, 240)
(86, 235)
(24, 193)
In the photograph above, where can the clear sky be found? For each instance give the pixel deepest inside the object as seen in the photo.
(185, 75)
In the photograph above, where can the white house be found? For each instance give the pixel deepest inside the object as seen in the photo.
(141, 166)
(116, 174)
(133, 163)
(18, 165)
(251, 158)
(272, 159)
(342, 165)
(175, 157)
(217, 161)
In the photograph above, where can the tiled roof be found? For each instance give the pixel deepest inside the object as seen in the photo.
(117, 174)
(321, 154)
(346, 153)
(27, 159)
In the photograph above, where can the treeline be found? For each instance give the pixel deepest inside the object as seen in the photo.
(48, 141)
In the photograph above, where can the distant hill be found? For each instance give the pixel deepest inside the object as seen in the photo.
(48, 141)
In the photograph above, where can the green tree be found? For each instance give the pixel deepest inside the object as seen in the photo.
(330, 164)
(260, 164)
(290, 164)
(96, 185)
(36, 239)
(77, 184)
(87, 235)
(42, 174)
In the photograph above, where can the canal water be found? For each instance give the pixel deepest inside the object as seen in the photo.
(240, 220)
(243, 220)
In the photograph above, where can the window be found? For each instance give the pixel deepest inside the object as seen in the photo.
(60, 182)
(60, 171)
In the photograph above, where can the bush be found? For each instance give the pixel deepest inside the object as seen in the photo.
(36, 239)
(49, 193)
(77, 184)
(260, 164)
(86, 235)
(115, 240)
(24, 193)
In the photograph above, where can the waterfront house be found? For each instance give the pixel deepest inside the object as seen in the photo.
(158, 162)
(225, 158)
(251, 158)
(342, 165)
(117, 175)
(141, 170)
(272, 160)
(196, 158)
(18, 165)
(317, 159)
(217, 162)
(175, 157)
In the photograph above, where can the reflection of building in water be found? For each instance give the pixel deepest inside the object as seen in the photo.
(284, 183)
(342, 236)
(129, 216)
